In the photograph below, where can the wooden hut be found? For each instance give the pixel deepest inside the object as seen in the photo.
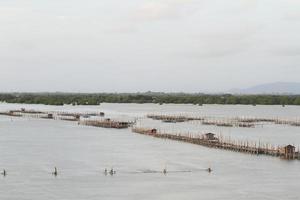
(153, 131)
(288, 152)
(210, 136)
(77, 117)
(50, 116)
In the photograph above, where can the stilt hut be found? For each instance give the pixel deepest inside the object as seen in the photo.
(49, 116)
(288, 152)
(210, 136)
(153, 131)
(77, 117)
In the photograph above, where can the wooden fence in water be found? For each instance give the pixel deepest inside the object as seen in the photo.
(244, 122)
(83, 118)
(57, 115)
(107, 123)
(210, 140)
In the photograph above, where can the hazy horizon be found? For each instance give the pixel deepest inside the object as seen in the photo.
(138, 46)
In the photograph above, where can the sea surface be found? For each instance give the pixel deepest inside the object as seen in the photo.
(30, 149)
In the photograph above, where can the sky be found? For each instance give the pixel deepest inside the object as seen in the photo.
(153, 45)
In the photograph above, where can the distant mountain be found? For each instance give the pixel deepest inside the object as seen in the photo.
(270, 88)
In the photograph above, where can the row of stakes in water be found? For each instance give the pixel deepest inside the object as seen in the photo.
(106, 172)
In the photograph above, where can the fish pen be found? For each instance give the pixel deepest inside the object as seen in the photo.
(173, 118)
(210, 140)
(57, 115)
(86, 114)
(280, 121)
(68, 117)
(29, 114)
(228, 123)
(243, 122)
(107, 123)
(10, 113)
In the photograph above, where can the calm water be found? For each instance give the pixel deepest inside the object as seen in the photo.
(30, 148)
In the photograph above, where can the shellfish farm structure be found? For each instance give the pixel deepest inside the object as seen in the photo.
(210, 140)
(57, 115)
(242, 122)
(107, 123)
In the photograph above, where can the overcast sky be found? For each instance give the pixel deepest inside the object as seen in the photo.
(139, 45)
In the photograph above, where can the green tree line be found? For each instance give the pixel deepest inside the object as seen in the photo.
(149, 97)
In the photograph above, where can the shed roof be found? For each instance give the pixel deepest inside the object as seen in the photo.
(290, 146)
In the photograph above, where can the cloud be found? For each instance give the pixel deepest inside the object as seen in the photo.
(287, 50)
(161, 10)
(141, 39)
(290, 10)
(216, 46)
(9, 13)
(292, 16)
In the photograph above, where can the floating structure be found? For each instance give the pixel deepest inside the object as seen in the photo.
(86, 114)
(81, 118)
(243, 122)
(107, 123)
(68, 116)
(204, 120)
(10, 113)
(210, 140)
(217, 123)
(291, 122)
(57, 115)
(228, 123)
(173, 119)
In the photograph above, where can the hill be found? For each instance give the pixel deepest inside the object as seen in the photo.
(270, 88)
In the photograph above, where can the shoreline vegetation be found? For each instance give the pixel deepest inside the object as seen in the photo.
(147, 97)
